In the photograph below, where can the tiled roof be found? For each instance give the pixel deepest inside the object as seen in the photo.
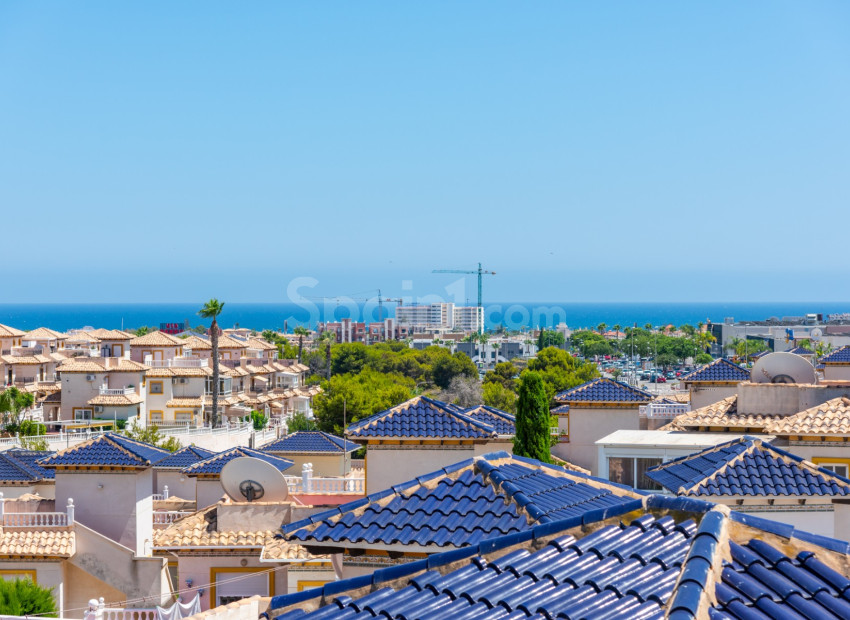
(20, 466)
(619, 564)
(178, 371)
(801, 351)
(213, 465)
(120, 400)
(83, 365)
(421, 417)
(722, 414)
(604, 390)
(560, 410)
(839, 356)
(184, 457)
(829, 418)
(720, 370)
(184, 402)
(156, 339)
(461, 505)
(200, 530)
(25, 360)
(502, 421)
(746, 466)
(227, 342)
(310, 442)
(9, 332)
(278, 550)
(259, 343)
(43, 333)
(197, 344)
(109, 334)
(37, 543)
(108, 450)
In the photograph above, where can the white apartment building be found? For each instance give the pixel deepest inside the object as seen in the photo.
(446, 316)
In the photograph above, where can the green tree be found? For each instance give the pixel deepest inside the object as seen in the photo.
(665, 360)
(560, 371)
(355, 396)
(301, 331)
(703, 358)
(150, 434)
(22, 597)
(532, 419)
(349, 357)
(746, 348)
(211, 310)
(601, 328)
(447, 367)
(504, 373)
(141, 331)
(300, 422)
(498, 396)
(13, 402)
(258, 419)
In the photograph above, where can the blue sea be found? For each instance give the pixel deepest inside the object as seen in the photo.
(515, 315)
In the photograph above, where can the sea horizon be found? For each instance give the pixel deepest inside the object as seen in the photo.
(514, 315)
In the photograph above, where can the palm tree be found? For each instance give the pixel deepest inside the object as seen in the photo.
(328, 337)
(733, 345)
(211, 310)
(12, 403)
(301, 331)
(648, 327)
(601, 328)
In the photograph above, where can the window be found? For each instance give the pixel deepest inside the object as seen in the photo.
(155, 416)
(836, 468)
(183, 416)
(12, 574)
(631, 471)
(233, 584)
(155, 387)
(82, 414)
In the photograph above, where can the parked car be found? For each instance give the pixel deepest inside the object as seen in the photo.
(659, 379)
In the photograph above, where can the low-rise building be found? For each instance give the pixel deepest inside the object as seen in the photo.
(328, 455)
(714, 382)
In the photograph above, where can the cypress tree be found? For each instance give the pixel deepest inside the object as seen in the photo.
(532, 419)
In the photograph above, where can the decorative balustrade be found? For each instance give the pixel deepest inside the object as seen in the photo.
(167, 517)
(308, 484)
(125, 391)
(99, 611)
(36, 519)
(665, 411)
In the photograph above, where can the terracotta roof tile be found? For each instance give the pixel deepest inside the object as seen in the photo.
(9, 332)
(31, 542)
(226, 342)
(830, 418)
(184, 402)
(43, 333)
(280, 549)
(200, 530)
(25, 360)
(117, 400)
(156, 339)
(109, 334)
(722, 414)
(197, 344)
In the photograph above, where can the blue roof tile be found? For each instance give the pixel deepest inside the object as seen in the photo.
(421, 417)
(213, 465)
(184, 457)
(502, 421)
(839, 356)
(22, 466)
(604, 391)
(108, 450)
(654, 566)
(801, 351)
(311, 442)
(746, 466)
(720, 370)
(491, 496)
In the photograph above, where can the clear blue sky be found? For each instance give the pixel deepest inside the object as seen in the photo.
(617, 151)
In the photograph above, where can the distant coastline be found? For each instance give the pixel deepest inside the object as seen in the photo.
(260, 316)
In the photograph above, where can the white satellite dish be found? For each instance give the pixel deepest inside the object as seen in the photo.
(251, 479)
(816, 333)
(783, 368)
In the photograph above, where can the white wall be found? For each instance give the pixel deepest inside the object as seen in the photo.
(179, 485)
(704, 395)
(587, 426)
(116, 504)
(208, 492)
(386, 467)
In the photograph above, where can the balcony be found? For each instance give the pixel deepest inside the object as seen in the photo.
(665, 411)
(177, 362)
(26, 351)
(125, 391)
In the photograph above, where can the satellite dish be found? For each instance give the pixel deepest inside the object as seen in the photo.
(816, 333)
(251, 479)
(783, 368)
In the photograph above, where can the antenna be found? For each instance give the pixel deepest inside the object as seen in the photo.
(251, 479)
(783, 367)
(816, 333)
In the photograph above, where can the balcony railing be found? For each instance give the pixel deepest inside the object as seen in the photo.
(663, 411)
(325, 485)
(26, 351)
(36, 519)
(125, 391)
(177, 362)
(167, 517)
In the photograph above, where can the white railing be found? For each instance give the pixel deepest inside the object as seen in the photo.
(27, 351)
(99, 611)
(663, 411)
(36, 519)
(167, 517)
(161, 496)
(125, 391)
(177, 362)
(326, 485)
(358, 463)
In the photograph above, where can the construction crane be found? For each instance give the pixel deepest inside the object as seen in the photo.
(480, 272)
(381, 300)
